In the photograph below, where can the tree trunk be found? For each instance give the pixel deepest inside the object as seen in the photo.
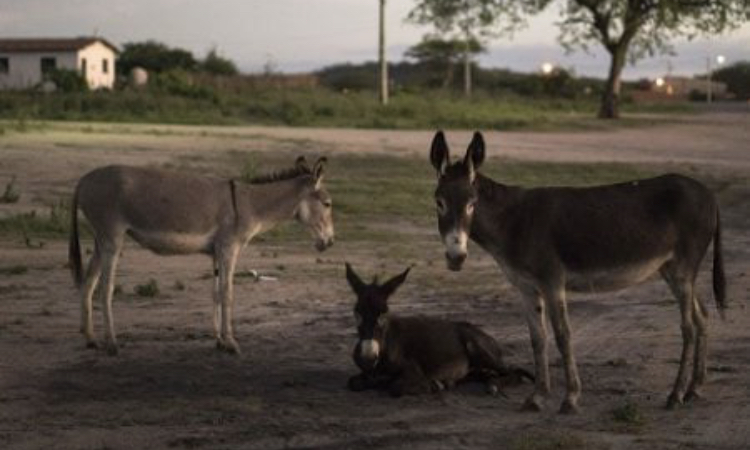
(610, 105)
(381, 57)
(467, 70)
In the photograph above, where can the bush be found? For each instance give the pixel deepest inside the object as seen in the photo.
(67, 80)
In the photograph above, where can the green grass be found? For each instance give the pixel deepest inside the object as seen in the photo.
(318, 107)
(373, 195)
(149, 289)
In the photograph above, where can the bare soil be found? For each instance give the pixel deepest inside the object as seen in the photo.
(169, 388)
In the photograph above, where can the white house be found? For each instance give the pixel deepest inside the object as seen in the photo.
(24, 62)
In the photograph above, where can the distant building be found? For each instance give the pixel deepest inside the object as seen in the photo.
(25, 62)
(684, 86)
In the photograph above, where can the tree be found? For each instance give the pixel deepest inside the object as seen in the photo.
(154, 57)
(470, 21)
(632, 29)
(442, 55)
(218, 65)
(737, 79)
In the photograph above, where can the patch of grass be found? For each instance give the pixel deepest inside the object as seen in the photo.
(10, 195)
(149, 289)
(14, 270)
(629, 415)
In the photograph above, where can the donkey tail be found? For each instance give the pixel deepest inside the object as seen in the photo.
(74, 245)
(720, 282)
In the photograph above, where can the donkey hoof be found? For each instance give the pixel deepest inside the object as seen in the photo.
(532, 404)
(673, 401)
(569, 407)
(692, 395)
(230, 347)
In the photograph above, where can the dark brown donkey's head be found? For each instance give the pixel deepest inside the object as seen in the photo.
(371, 313)
(456, 195)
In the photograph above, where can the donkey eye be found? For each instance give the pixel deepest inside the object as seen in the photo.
(327, 203)
(440, 204)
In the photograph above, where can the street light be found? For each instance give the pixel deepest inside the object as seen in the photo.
(547, 68)
(720, 59)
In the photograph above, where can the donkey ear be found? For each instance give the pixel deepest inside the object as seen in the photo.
(474, 154)
(318, 171)
(354, 280)
(391, 285)
(439, 153)
(301, 163)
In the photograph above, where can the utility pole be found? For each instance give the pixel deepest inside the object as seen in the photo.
(381, 57)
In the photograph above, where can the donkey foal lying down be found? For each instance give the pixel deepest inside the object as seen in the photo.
(414, 355)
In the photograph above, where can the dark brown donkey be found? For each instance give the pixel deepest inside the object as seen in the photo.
(557, 239)
(414, 355)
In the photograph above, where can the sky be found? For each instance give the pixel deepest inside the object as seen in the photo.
(305, 35)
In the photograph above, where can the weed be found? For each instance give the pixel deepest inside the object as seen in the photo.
(149, 289)
(10, 195)
(179, 286)
(629, 414)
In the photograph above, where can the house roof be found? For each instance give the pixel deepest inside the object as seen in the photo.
(28, 45)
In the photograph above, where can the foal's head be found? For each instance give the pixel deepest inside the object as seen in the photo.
(456, 195)
(371, 313)
(315, 208)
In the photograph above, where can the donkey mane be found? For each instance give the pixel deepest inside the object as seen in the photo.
(281, 175)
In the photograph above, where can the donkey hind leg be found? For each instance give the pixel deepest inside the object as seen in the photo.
(535, 317)
(109, 255)
(700, 317)
(682, 288)
(93, 273)
(227, 262)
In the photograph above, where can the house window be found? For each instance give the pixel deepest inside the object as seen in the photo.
(48, 65)
(4, 65)
(83, 66)
(105, 66)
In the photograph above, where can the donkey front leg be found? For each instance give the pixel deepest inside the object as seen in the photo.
(534, 310)
(558, 312)
(227, 263)
(683, 290)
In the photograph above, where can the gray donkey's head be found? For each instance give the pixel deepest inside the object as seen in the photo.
(371, 313)
(456, 195)
(315, 207)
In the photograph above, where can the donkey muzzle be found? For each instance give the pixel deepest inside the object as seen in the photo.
(455, 261)
(322, 244)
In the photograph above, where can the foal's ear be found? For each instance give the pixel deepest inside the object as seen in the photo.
(355, 282)
(474, 154)
(318, 170)
(301, 164)
(391, 285)
(439, 153)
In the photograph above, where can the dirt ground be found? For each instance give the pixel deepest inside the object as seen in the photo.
(169, 388)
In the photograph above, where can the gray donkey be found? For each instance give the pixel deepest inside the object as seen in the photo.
(179, 213)
(557, 239)
(414, 355)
